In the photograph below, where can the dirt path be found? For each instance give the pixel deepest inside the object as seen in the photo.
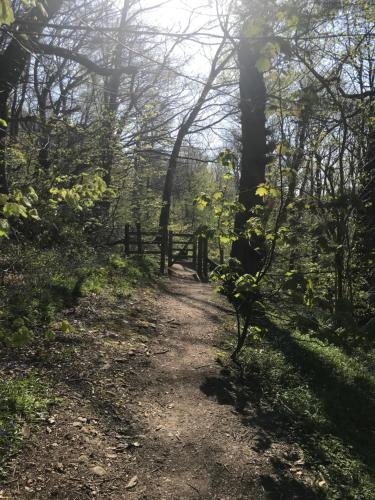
(147, 417)
(204, 453)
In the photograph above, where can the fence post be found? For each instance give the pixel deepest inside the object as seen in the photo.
(170, 248)
(139, 238)
(127, 239)
(205, 257)
(199, 264)
(221, 250)
(163, 249)
(195, 252)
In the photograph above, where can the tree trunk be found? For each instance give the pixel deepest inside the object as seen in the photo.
(216, 68)
(368, 215)
(169, 180)
(254, 151)
(112, 91)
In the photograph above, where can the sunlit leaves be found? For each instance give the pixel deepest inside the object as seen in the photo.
(202, 201)
(253, 27)
(83, 194)
(4, 228)
(266, 189)
(15, 210)
(218, 195)
(17, 206)
(268, 52)
(33, 213)
(42, 9)
(227, 238)
(6, 14)
(228, 159)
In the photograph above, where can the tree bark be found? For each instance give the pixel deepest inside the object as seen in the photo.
(112, 103)
(254, 153)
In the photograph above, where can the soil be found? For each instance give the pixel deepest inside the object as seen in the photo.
(146, 411)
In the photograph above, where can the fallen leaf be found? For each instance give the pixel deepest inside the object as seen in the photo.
(59, 467)
(133, 482)
(25, 431)
(98, 471)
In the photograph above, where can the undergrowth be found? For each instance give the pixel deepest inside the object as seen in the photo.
(24, 402)
(39, 286)
(324, 401)
(35, 293)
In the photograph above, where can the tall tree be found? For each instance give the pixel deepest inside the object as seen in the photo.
(13, 62)
(218, 64)
(253, 100)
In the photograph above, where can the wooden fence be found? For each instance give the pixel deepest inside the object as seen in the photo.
(190, 249)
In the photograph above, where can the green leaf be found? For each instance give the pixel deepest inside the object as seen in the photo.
(3, 123)
(262, 190)
(14, 210)
(218, 195)
(32, 194)
(33, 213)
(282, 149)
(66, 327)
(202, 201)
(225, 239)
(6, 13)
(4, 226)
(3, 199)
(263, 64)
(42, 9)
(293, 21)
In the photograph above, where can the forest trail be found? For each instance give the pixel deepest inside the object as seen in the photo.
(156, 420)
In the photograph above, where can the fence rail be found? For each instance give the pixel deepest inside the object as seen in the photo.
(173, 247)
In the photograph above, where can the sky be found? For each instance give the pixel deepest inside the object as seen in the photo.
(176, 15)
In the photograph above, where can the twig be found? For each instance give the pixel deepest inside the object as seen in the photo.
(195, 489)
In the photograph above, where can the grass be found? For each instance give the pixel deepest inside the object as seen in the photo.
(37, 301)
(324, 398)
(23, 402)
(52, 284)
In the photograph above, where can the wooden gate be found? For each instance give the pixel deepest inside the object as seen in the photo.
(189, 249)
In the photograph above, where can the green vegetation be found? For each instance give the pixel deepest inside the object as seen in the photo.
(35, 313)
(322, 399)
(50, 284)
(267, 148)
(24, 401)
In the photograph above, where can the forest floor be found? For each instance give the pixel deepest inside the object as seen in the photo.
(145, 411)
